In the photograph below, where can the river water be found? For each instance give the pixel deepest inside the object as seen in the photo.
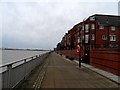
(15, 55)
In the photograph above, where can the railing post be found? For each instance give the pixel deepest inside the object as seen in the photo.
(0, 80)
(9, 68)
(25, 69)
(36, 56)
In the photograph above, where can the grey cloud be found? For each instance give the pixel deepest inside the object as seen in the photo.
(42, 24)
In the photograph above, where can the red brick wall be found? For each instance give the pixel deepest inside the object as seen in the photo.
(106, 59)
(118, 36)
(71, 53)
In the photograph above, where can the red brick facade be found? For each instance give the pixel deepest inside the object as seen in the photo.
(96, 32)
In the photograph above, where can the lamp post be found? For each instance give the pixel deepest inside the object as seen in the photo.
(79, 41)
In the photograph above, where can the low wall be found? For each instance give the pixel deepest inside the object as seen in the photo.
(71, 53)
(106, 59)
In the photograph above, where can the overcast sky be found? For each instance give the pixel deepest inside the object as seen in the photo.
(42, 23)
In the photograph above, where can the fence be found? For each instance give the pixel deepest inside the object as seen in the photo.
(12, 74)
(106, 59)
(71, 53)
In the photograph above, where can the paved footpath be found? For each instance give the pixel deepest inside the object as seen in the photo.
(63, 73)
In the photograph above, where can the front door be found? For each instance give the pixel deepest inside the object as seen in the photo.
(87, 54)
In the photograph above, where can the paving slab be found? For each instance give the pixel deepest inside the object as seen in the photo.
(106, 74)
(62, 73)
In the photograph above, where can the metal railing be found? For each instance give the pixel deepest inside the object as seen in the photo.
(13, 73)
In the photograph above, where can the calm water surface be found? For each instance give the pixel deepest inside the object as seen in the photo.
(15, 55)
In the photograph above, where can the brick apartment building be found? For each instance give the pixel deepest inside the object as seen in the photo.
(97, 31)
(99, 39)
(102, 31)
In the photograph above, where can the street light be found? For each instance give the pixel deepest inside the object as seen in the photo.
(79, 41)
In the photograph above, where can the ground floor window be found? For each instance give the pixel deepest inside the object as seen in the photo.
(104, 37)
(112, 37)
(93, 37)
(86, 38)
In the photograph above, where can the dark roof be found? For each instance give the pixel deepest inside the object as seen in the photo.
(112, 20)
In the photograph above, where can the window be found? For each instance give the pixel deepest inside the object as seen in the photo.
(86, 38)
(79, 27)
(93, 46)
(79, 39)
(104, 37)
(78, 33)
(112, 37)
(112, 28)
(101, 27)
(92, 26)
(83, 27)
(93, 37)
(92, 18)
(65, 38)
(82, 37)
(65, 44)
(69, 43)
(74, 43)
(87, 28)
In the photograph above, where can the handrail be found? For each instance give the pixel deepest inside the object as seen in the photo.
(11, 63)
(13, 73)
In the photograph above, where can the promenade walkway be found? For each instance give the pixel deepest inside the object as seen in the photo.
(58, 72)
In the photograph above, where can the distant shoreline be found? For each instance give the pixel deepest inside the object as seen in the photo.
(23, 49)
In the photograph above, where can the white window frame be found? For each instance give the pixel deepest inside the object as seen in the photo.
(101, 27)
(112, 37)
(78, 39)
(75, 43)
(86, 38)
(82, 37)
(92, 36)
(65, 38)
(104, 37)
(65, 44)
(92, 18)
(83, 27)
(112, 28)
(87, 28)
(93, 26)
